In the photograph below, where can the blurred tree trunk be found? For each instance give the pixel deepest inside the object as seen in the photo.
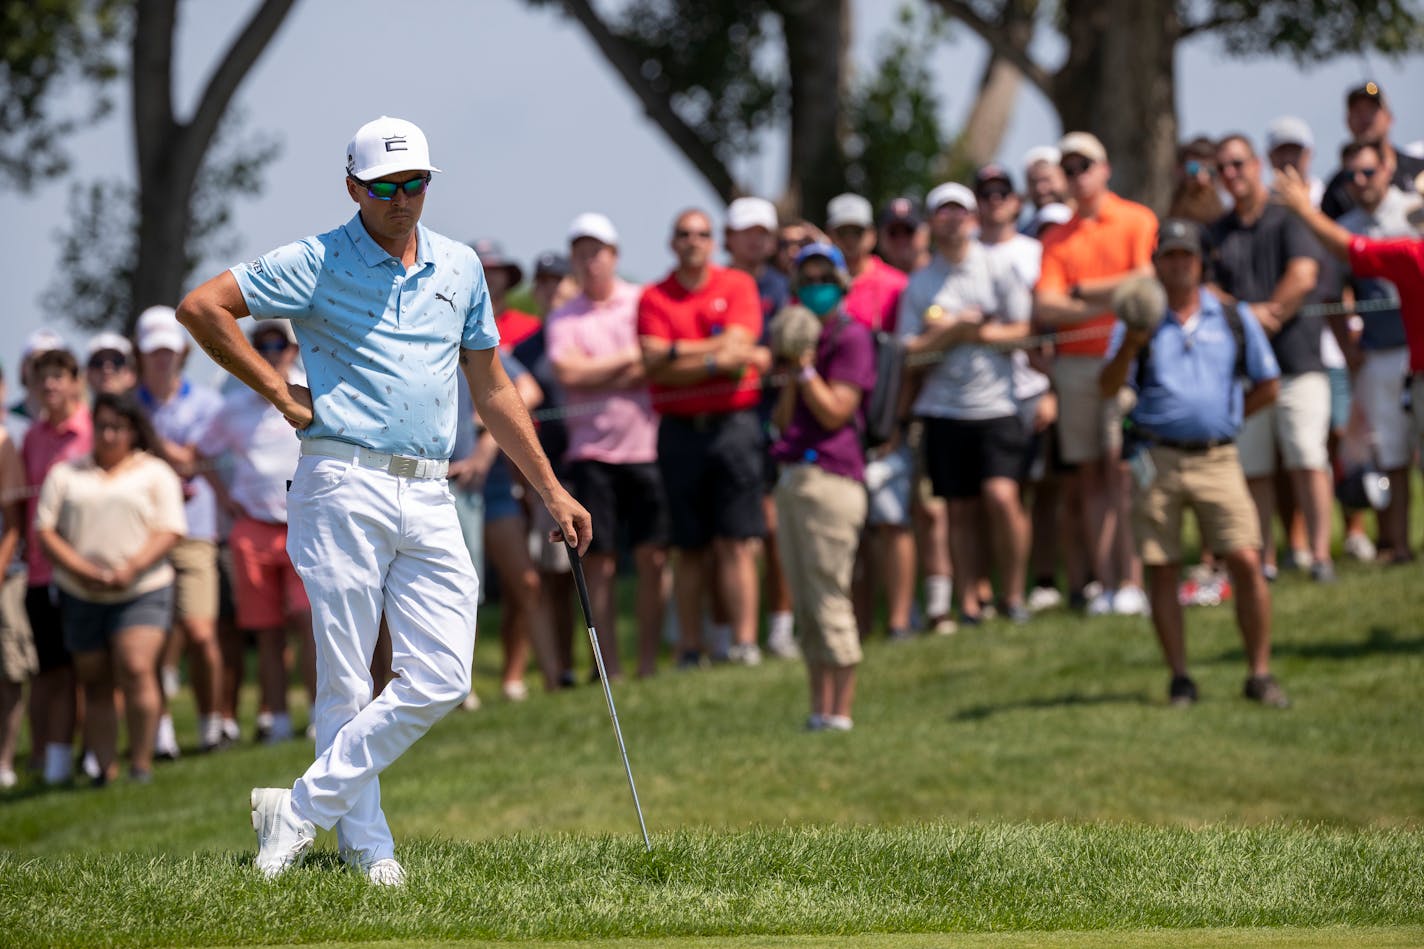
(170, 153)
(818, 34)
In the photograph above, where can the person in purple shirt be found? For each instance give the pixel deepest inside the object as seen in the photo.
(820, 495)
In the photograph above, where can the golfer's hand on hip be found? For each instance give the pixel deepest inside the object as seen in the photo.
(575, 526)
(297, 407)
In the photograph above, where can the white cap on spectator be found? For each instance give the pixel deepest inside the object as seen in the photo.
(849, 210)
(1288, 130)
(1042, 153)
(42, 340)
(1054, 213)
(950, 193)
(385, 146)
(158, 328)
(1083, 143)
(745, 213)
(109, 340)
(284, 327)
(597, 226)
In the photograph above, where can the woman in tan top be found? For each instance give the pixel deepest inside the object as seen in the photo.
(107, 522)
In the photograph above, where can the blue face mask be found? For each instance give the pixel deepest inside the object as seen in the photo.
(821, 298)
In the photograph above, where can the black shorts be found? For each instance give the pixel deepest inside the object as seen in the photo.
(712, 473)
(623, 500)
(90, 627)
(47, 625)
(961, 454)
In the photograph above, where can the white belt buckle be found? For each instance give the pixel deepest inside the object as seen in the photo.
(403, 467)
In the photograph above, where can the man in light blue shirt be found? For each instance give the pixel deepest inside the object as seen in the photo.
(384, 310)
(1191, 403)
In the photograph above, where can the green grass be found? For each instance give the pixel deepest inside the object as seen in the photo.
(1006, 780)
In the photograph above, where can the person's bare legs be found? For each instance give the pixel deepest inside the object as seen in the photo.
(1100, 522)
(272, 669)
(1128, 564)
(1072, 533)
(12, 715)
(654, 587)
(94, 671)
(204, 663)
(1312, 492)
(507, 548)
(135, 662)
(737, 579)
(52, 695)
(1008, 528)
(600, 573)
(842, 690)
(1253, 608)
(231, 643)
(931, 519)
(1043, 530)
(1167, 615)
(299, 628)
(777, 593)
(964, 542)
(1263, 493)
(898, 572)
(689, 574)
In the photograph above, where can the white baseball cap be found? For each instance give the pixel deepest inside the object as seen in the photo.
(158, 328)
(849, 210)
(386, 146)
(745, 213)
(109, 340)
(1083, 143)
(951, 192)
(595, 225)
(42, 340)
(1041, 153)
(1288, 130)
(284, 327)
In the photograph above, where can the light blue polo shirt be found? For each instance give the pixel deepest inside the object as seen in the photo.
(381, 346)
(1190, 392)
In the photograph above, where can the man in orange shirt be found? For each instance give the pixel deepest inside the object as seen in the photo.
(1108, 240)
(699, 329)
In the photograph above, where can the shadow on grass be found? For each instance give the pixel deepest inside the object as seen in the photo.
(980, 712)
(1379, 641)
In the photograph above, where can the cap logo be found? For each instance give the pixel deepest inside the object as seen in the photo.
(395, 143)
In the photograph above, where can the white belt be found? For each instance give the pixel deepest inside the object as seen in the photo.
(402, 466)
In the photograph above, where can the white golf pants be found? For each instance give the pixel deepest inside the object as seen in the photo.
(365, 542)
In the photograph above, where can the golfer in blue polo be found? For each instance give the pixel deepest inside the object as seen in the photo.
(386, 312)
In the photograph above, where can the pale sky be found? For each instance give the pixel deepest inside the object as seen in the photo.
(531, 128)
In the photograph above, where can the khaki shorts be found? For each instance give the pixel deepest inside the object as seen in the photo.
(1089, 426)
(1298, 424)
(820, 515)
(1380, 386)
(17, 644)
(1212, 484)
(196, 587)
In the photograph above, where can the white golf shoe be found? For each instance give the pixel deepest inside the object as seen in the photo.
(384, 872)
(283, 838)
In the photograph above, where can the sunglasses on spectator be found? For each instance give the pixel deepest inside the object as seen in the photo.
(1236, 164)
(385, 190)
(900, 231)
(272, 346)
(1073, 168)
(798, 243)
(1194, 168)
(108, 426)
(1365, 173)
(1002, 193)
(111, 361)
(685, 235)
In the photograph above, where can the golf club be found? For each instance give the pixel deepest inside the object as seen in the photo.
(576, 563)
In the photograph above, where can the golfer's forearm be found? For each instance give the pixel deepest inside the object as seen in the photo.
(215, 330)
(1334, 237)
(1114, 374)
(506, 418)
(1259, 396)
(1052, 309)
(1294, 286)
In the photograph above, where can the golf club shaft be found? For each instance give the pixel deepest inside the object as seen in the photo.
(577, 564)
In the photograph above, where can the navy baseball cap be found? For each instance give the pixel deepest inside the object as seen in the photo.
(901, 210)
(1178, 234)
(551, 264)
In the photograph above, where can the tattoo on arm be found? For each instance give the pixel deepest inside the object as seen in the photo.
(216, 354)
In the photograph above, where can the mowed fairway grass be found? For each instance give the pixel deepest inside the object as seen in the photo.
(1006, 786)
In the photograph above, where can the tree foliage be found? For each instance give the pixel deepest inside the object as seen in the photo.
(49, 48)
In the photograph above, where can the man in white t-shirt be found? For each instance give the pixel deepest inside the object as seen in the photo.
(613, 434)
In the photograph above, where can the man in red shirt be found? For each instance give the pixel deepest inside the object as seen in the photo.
(1400, 260)
(698, 330)
(503, 274)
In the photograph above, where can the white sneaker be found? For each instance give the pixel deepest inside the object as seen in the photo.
(744, 654)
(8, 778)
(169, 681)
(386, 873)
(1044, 598)
(837, 723)
(1100, 604)
(232, 732)
(212, 733)
(1130, 601)
(515, 691)
(90, 766)
(165, 742)
(282, 837)
(1360, 547)
(781, 643)
(471, 702)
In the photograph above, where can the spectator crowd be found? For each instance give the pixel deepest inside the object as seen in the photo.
(990, 403)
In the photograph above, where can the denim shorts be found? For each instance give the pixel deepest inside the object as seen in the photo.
(89, 626)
